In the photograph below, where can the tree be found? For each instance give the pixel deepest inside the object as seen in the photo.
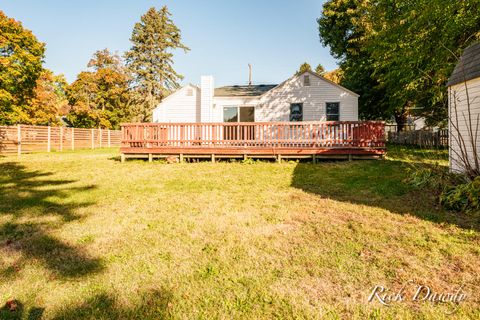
(334, 75)
(49, 101)
(411, 47)
(320, 69)
(395, 54)
(304, 67)
(150, 59)
(100, 97)
(21, 56)
(342, 29)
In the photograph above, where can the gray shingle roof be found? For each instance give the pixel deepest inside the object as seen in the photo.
(243, 91)
(468, 67)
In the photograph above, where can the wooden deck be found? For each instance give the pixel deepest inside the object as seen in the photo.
(341, 139)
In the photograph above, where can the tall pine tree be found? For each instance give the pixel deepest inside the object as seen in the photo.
(150, 59)
(304, 67)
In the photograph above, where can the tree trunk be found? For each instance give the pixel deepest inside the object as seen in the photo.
(400, 119)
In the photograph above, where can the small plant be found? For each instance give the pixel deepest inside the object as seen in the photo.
(248, 161)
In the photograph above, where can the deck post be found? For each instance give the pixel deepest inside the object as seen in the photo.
(122, 157)
(245, 157)
(150, 157)
(350, 157)
(314, 159)
(279, 158)
(181, 157)
(213, 158)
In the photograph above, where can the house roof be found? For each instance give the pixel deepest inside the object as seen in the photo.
(243, 91)
(468, 67)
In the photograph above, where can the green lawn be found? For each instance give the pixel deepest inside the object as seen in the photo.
(83, 236)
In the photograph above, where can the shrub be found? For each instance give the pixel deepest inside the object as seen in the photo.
(462, 197)
(435, 177)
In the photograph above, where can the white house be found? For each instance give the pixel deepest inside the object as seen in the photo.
(464, 94)
(305, 97)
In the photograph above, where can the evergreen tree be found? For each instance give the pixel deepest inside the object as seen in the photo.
(304, 67)
(320, 69)
(150, 59)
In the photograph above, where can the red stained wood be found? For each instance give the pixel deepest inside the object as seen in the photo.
(265, 138)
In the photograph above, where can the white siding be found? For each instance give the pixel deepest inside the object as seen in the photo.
(457, 95)
(272, 106)
(275, 105)
(179, 107)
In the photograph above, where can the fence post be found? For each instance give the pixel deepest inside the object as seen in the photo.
(100, 132)
(73, 139)
(49, 136)
(19, 139)
(93, 141)
(109, 144)
(61, 138)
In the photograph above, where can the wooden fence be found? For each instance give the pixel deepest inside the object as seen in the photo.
(420, 138)
(26, 139)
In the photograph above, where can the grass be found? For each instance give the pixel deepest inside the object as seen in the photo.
(83, 236)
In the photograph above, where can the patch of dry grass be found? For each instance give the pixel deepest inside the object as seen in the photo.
(83, 236)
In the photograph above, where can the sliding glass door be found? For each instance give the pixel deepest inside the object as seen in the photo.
(238, 114)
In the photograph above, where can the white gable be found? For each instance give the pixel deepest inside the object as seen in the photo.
(180, 106)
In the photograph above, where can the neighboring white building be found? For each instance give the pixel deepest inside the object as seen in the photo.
(464, 86)
(305, 97)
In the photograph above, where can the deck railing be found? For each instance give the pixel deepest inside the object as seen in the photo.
(338, 134)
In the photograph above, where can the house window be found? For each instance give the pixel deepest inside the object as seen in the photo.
(230, 114)
(239, 114)
(306, 80)
(333, 111)
(189, 92)
(296, 112)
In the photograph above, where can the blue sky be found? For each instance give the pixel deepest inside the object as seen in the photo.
(224, 35)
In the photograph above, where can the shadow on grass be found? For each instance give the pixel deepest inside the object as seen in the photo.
(26, 197)
(154, 304)
(14, 309)
(377, 184)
